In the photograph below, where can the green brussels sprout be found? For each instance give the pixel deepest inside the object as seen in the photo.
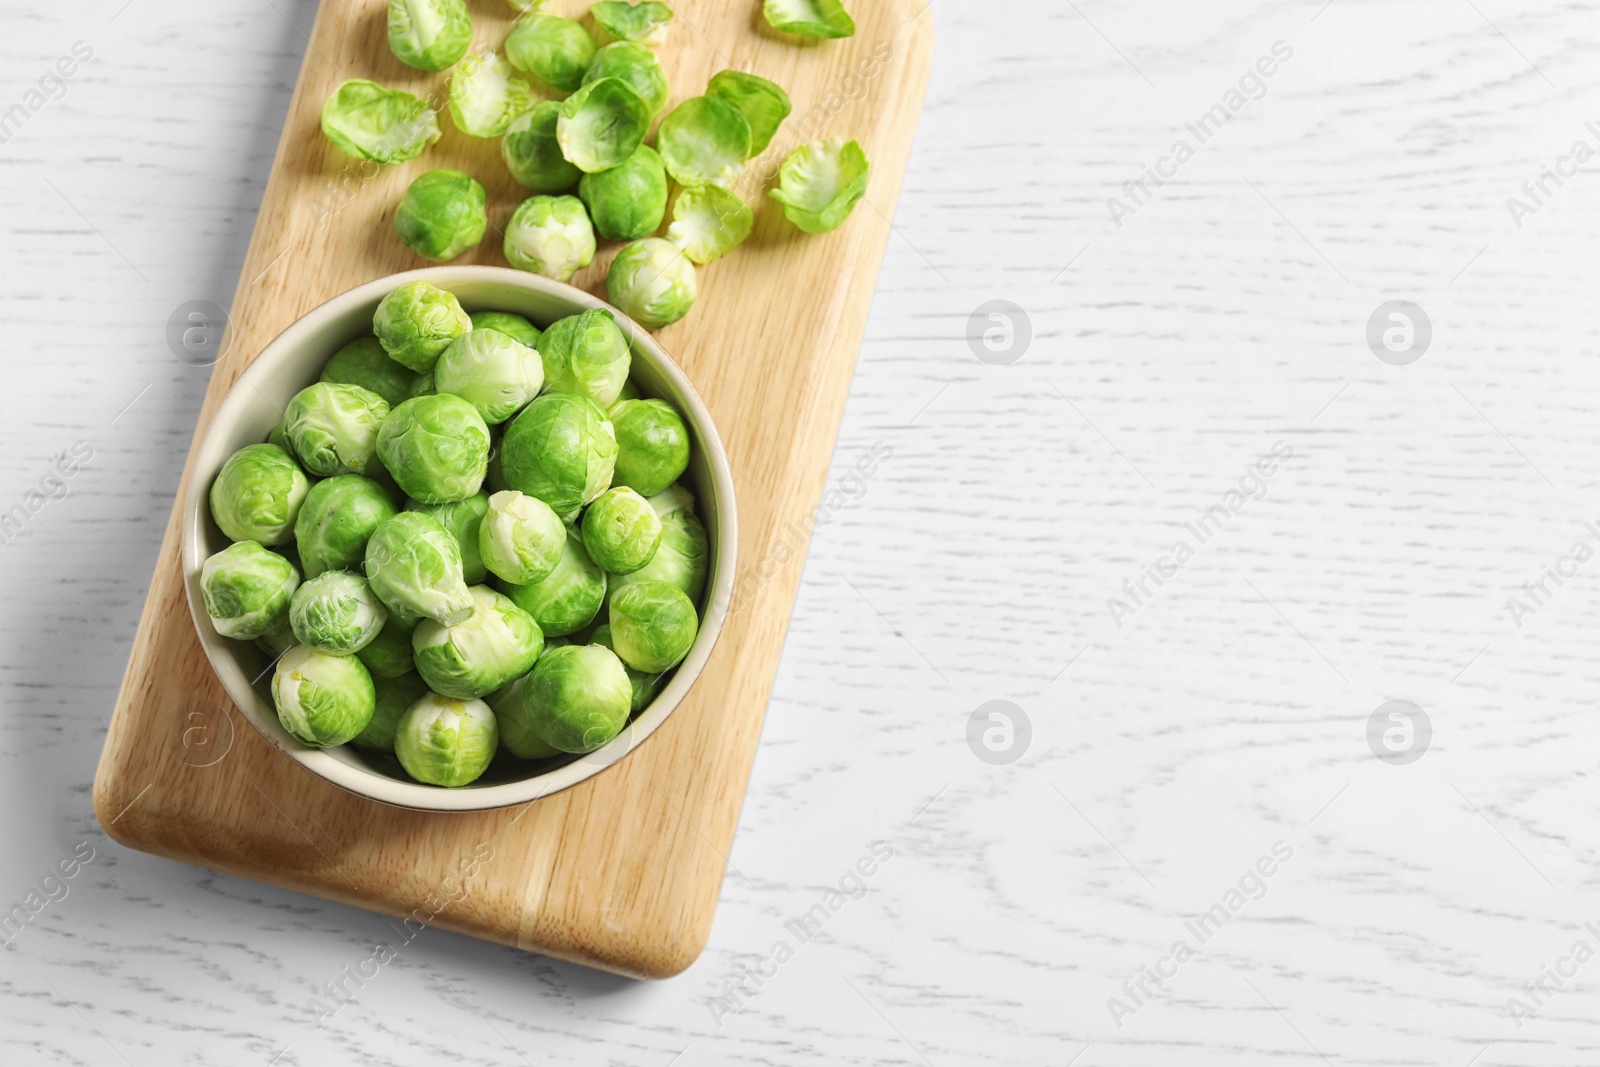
(416, 322)
(550, 235)
(533, 154)
(809, 18)
(763, 104)
(442, 215)
(704, 141)
(423, 386)
(363, 362)
(337, 520)
(257, 495)
(515, 327)
(644, 22)
(708, 222)
(602, 124)
(820, 183)
(654, 625)
(653, 282)
(557, 51)
(336, 612)
(414, 565)
(334, 428)
(389, 654)
(629, 391)
(684, 555)
(246, 591)
(561, 449)
(322, 700)
(444, 741)
(645, 686)
(515, 737)
(526, 5)
(472, 658)
(629, 200)
(485, 96)
(277, 436)
(394, 698)
(569, 597)
(429, 34)
(436, 447)
(652, 445)
(587, 354)
(621, 531)
(635, 65)
(520, 540)
(462, 518)
(492, 371)
(366, 121)
(577, 698)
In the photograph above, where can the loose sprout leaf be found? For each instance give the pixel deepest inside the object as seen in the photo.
(557, 51)
(820, 182)
(485, 96)
(429, 34)
(366, 121)
(644, 23)
(810, 18)
(763, 104)
(533, 154)
(708, 222)
(705, 140)
(602, 124)
(638, 67)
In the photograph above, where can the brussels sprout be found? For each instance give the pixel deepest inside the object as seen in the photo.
(652, 445)
(366, 121)
(763, 104)
(550, 235)
(705, 140)
(635, 65)
(654, 625)
(389, 654)
(429, 34)
(462, 518)
(562, 450)
(520, 539)
(653, 282)
(629, 200)
(578, 698)
(494, 373)
(414, 565)
(322, 700)
(337, 520)
(423, 386)
(436, 447)
(587, 354)
(629, 391)
(532, 153)
(515, 327)
(416, 322)
(557, 51)
(337, 613)
(684, 554)
(468, 659)
(363, 362)
(526, 5)
(444, 741)
(645, 686)
(708, 222)
(644, 22)
(515, 737)
(569, 597)
(809, 18)
(394, 698)
(602, 124)
(820, 182)
(276, 436)
(442, 215)
(334, 428)
(246, 591)
(621, 531)
(257, 495)
(485, 96)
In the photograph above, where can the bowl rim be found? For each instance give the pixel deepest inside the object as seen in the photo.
(213, 450)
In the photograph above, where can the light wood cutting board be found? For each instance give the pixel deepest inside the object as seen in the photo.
(623, 871)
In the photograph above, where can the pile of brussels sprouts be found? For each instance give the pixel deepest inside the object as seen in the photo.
(467, 537)
(587, 136)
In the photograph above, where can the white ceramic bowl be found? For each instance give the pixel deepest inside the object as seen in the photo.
(294, 360)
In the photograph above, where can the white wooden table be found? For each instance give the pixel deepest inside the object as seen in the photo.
(1225, 716)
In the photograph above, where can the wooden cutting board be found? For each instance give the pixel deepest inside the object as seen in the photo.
(623, 871)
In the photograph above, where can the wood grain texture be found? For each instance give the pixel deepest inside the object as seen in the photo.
(623, 871)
